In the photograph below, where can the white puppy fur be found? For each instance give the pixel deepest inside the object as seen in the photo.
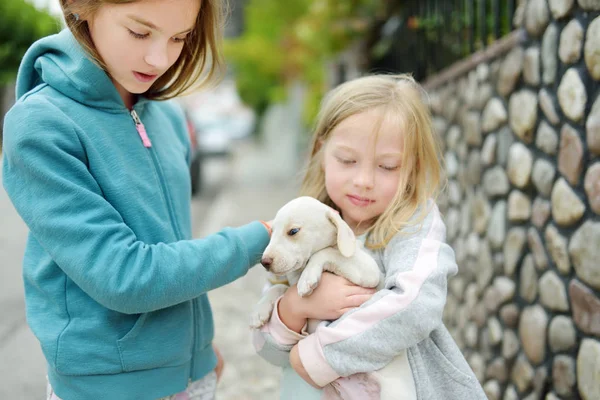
(309, 238)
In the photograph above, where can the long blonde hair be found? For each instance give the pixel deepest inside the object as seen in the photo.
(421, 172)
(201, 49)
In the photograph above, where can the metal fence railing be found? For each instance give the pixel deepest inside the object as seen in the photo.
(428, 35)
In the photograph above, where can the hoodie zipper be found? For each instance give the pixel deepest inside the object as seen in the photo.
(141, 129)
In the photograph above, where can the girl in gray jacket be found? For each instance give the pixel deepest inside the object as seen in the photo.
(376, 160)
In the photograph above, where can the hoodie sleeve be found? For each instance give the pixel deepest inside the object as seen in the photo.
(397, 317)
(46, 177)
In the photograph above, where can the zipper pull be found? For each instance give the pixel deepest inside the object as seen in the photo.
(141, 129)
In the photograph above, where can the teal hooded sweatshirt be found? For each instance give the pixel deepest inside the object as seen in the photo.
(115, 286)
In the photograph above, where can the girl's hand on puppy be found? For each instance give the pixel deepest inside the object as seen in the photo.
(333, 297)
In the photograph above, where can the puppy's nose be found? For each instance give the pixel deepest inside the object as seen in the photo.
(266, 262)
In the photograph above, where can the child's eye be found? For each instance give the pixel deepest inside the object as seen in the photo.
(346, 161)
(389, 168)
(138, 35)
(180, 40)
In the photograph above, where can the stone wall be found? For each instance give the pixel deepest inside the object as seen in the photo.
(521, 132)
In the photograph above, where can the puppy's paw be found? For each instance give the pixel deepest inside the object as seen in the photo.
(261, 315)
(308, 282)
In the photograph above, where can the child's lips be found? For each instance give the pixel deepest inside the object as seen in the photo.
(360, 201)
(142, 77)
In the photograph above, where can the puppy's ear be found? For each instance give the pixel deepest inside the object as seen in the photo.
(346, 241)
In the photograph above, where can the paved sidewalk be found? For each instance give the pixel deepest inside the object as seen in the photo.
(256, 191)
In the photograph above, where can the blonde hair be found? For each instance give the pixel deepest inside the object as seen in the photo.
(421, 172)
(201, 48)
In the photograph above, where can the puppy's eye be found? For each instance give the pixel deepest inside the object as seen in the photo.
(293, 231)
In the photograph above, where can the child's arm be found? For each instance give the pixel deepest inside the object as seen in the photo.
(332, 298)
(46, 175)
(397, 317)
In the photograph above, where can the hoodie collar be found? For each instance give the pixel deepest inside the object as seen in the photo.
(60, 62)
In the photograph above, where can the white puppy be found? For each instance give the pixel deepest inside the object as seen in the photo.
(309, 238)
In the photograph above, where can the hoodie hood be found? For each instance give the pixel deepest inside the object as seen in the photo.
(60, 62)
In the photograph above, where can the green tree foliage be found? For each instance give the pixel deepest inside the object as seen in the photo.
(21, 24)
(293, 39)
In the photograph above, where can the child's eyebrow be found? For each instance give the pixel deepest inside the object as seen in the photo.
(151, 25)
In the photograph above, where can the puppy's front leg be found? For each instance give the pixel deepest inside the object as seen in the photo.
(311, 275)
(263, 310)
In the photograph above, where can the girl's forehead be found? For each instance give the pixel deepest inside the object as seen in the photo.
(368, 128)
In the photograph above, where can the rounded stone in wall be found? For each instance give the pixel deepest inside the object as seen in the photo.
(553, 293)
(588, 369)
(510, 344)
(452, 137)
(536, 17)
(511, 393)
(543, 176)
(472, 128)
(509, 313)
(496, 231)
(495, 182)
(572, 95)
(492, 390)
(522, 374)
(531, 66)
(560, 8)
(519, 206)
(591, 49)
(570, 155)
(537, 249)
(567, 208)
(585, 253)
(513, 247)
(549, 58)
(510, 71)
(586, 308)
(488, 151)
(593, 127)
(540, 211)
(532, 332)
(505, 140)
(494, 115)
(592, 5)
(519, 165)
(563, 375)
(528, 284)
(547, 106)
(592, 186)
(571, 40)
(480, 212)
(522, 112)
(547, 138)
(451, 164)
(561, 334)
(498, 370)
(557, 247)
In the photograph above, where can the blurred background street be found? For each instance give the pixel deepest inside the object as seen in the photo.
(514, 91)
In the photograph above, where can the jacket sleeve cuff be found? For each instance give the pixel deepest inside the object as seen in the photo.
(280, 332)
(313, 360)
(256, 237)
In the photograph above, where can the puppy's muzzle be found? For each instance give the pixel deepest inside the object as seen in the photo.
(266, 262)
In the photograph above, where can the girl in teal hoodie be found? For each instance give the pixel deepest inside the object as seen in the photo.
(97, 167)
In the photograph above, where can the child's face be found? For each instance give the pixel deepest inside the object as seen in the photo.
(362, 168)
(140, 41)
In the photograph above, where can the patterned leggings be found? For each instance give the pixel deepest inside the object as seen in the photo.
(202, 389)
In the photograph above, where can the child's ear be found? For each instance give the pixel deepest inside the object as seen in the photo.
(346, 241)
